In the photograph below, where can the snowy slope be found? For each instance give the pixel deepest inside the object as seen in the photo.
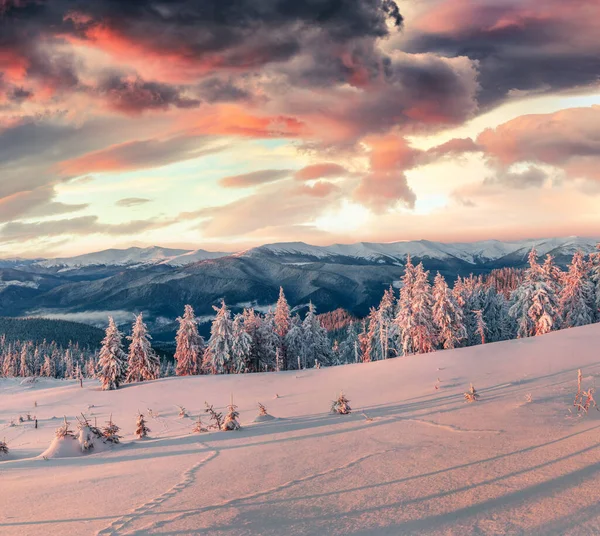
(196, 255)
(117, 257)
(424, 462)
(134, 257)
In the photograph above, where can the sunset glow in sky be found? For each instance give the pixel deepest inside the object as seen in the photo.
(225, 124)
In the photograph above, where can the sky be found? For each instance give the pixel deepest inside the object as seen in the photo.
(225, 124)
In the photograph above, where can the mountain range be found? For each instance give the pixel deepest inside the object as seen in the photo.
(160, 281)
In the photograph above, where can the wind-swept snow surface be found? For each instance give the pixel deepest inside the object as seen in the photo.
(411, 458)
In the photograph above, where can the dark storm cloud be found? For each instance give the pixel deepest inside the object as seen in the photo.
(524, 46)
(136, 95)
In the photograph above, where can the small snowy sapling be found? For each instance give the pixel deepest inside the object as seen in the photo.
(231, 419)
(111, 432)
(215, 417)
(3, 448)
(199, 427)
(64, 430)
(584, 400)
(341, 405)
(471, 395)
(141, 430)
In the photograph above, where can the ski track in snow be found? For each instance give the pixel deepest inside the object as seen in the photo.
(452, 428)
(232, 502)
(189, 476)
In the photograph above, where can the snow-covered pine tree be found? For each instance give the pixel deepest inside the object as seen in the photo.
(495, 314)
(10, 367)
(553, 275)
(544, 310)
(190, 345)
(386, 313)
(404, 315)
(373, 348)
(315, 341)
(218, 358)
(447, 315)
(577, 296)
(252, 322)
(25, 368)
(415, 318)
(268, 342)
(294, 341)
(69, 365)
(143, 363)
(283, 323)
(241, 346)
(48, 368)
(141, 430)
(90, 368)
(522, 308)
(112, 360)
(349, 345)
(423, 327)
(595, 277)
(481, 325)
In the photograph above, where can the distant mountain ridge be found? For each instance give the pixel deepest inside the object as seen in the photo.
(160, 281)
(470, 252)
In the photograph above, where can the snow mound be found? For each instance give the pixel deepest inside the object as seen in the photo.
(29, 381)
(264, 418)
(63, 447)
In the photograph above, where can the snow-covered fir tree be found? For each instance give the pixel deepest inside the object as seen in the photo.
(448, 316)
(218, 358)
(595, 278)
(283, 323)
(349, 347)
(267, 343)
(534, 304)
(25, 368)
(404, 315)
(386, 313)
(252, 322)
(143, 363)
(414, 320)
(112, 361)
(315, 347)
(577, 296)
(481, 325)
(241, 349)
(189, 345)
(294, 343)
(373, 347)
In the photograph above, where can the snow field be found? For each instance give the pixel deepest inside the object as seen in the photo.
(409, 459)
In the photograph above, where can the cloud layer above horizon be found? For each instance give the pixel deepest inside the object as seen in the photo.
(199, 123)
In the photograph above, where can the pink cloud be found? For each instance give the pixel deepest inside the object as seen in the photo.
(320, 171)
